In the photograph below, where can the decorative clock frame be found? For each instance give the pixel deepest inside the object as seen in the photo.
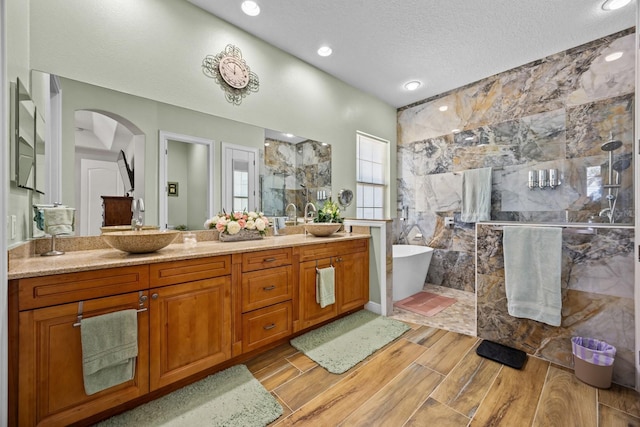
(232, 73)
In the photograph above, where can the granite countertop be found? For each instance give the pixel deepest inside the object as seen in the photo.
(84, 260)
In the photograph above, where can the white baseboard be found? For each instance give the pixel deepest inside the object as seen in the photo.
(374, 307)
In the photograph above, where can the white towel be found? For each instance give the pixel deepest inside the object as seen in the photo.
(476, 195)
(58, 220)
(325, 286)
(532, 264)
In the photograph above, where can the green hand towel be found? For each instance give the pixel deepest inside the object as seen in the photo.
(109, 349)
(532, 269)
(58, 220)
(476, 195)
(325, 286)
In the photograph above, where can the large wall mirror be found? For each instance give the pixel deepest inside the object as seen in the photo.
(97, 124)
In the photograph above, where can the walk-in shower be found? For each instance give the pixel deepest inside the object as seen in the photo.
(613, 185)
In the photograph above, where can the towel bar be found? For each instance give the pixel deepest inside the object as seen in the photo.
(330, 263)
(75, 325)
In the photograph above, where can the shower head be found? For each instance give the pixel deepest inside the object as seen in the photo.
(611, 144)
(622, 163)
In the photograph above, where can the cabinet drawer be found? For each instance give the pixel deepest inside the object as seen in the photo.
(57, 289)
(260, 327)
(266, 287)
(326, 250)
(266, 259)
(170, 273)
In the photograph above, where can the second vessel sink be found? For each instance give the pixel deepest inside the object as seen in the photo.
(322, 229)
(140, 242)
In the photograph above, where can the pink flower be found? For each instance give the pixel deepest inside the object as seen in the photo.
(237, 215)
(220, 226)
(242, 223)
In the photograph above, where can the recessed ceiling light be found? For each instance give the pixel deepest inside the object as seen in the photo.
(412, 85)
(250, 7)
(443, 108)
(325, 51)
(615, 4)
(613, 56)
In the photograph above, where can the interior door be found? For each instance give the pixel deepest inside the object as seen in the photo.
(97, 178)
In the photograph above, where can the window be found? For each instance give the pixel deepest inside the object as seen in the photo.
(371, 179)
(239, 178)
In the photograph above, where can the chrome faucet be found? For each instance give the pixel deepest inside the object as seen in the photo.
(606, 212)
(306, 211)
(295, 212)
(137, 219)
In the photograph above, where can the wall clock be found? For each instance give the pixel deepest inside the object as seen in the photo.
(232, 73)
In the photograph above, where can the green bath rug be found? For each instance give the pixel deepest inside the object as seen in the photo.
(230, 398)
(340, 345)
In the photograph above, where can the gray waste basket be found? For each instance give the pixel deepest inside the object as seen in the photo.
(593, 361)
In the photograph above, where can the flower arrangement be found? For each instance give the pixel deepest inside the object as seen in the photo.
(329, 212)
(232, 223)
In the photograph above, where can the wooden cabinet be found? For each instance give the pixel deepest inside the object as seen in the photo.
(351, 262)
(195, 314)
(352, 277)
(267, 290)
(116, 210)
(190, 320)
(50, 378)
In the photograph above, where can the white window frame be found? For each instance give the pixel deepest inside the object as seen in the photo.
(377, 179)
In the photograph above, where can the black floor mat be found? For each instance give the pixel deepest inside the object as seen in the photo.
(502, 354)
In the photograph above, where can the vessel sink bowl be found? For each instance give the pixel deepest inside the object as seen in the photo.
(322, 229)
(140, 242)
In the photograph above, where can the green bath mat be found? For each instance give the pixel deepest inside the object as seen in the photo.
(230, 398)
(340, 345)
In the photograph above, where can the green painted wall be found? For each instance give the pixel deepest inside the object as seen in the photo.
(154, 49)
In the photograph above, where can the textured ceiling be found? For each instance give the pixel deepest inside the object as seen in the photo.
(378, 45)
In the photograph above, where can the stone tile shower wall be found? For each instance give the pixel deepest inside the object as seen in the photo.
(288, 165)
(597, 298)
(552, 113)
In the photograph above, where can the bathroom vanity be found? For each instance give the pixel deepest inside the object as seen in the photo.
(199, 311)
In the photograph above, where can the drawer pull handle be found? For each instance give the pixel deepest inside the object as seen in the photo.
(269, 288)
(269, 259)
(271, 326)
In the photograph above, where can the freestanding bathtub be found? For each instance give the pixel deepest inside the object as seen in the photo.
(410, 266)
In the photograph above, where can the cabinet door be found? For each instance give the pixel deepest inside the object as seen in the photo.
(310, 311)
(352, 281)
(51, 387)
(190, 329)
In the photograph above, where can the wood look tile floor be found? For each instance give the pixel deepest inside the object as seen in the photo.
(433, 377)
